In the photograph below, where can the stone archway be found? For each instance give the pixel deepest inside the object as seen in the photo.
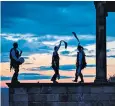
(102, 9)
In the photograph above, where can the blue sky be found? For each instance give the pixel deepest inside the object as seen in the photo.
(48, 17)
(43, 24)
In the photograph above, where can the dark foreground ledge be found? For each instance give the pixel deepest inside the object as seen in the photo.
(29, 85)
(62, 94)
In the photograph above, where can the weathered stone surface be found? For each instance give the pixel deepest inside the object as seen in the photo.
(37, 97)
(33, 97)
(108, 103)
(35, 104)
(46, 90)
(112, 97)
(81, 104)
(65, 104)
(20, 97)
(79, 89)
(43, 97)
(63, 97)
(11, 97)
(75, 89)
(33, 90)
(10, 104)
(112, 103)
(97, 90)
(20, 90)
(53, 90)
(53, 97)
(19, 104)
(86, 89)
(88, 104)
(47, 103)
(106, 97)
(91, 97)
(75, 97)
(109, 89)
(11, 90)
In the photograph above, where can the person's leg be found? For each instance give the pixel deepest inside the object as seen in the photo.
(81, 76)
(76, 76)
(54, 76)
(57, 73)
(15, 75)
(57, 69)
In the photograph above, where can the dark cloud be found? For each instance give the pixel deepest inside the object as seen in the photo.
(47, 17)
(52, 17)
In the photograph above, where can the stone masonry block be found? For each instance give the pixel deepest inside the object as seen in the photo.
(35, 104)
(63, 97)
(112, 97)
(20, 97)
(79, 89)
(109, 89)
(33, 97)
(34, 90)
(105, 97)
(75, 97)
(65, 104)
(19, 104)
(53, 90)
(37, 97)
(97, 90)
(20, 90)
(11, 97)
(11, 90)
(53, 97)
(75, 89)
(91, 97)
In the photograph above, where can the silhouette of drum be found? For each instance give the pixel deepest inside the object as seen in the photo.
(21, 60)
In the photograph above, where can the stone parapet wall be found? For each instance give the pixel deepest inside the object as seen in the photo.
(62, 95)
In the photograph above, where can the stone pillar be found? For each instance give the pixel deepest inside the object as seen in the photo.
(100, 42)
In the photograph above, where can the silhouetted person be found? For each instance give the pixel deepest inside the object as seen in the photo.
(55, 63)
(80, 64)
(14, 62)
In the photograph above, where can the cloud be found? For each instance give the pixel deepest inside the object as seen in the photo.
(27, 43)
(90, 50)
(39, 43)
(33, 43)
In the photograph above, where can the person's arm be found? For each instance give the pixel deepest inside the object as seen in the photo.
(20, 53)
(58, 46)
(14, 55)
(52, 60)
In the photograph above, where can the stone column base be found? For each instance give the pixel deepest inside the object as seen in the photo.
(100, 80)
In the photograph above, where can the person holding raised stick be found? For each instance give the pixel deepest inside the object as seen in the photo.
(55, 62)
(80, 61)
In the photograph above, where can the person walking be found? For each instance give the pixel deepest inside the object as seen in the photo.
(80, 61)
(55, 62)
